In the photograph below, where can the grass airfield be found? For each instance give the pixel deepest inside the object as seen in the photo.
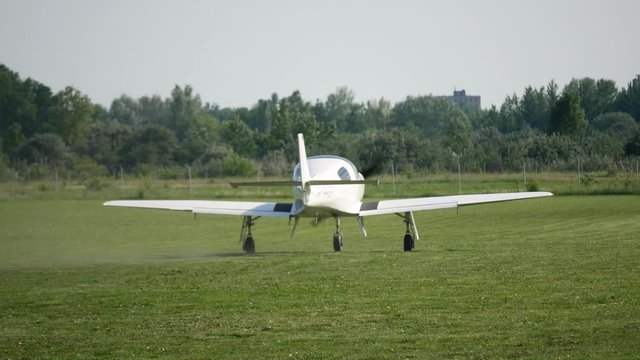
(546, 278)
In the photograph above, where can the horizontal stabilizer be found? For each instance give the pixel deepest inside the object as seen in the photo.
(298, 183)
(266, 183)
(342, 182)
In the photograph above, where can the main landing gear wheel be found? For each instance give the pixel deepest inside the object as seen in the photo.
(249, 245)
(337, 242)
(408, 242)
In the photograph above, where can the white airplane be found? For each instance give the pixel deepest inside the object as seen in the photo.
(324, 186)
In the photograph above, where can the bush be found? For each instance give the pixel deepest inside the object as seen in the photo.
(95, 184)
(236, 165)
(7, 173)
(275, 164)
(86, 169)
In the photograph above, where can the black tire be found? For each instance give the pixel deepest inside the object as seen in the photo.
(408, 242)
(249, 246)
(337, 242)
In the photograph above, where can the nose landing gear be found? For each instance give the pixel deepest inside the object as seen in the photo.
(337, 237)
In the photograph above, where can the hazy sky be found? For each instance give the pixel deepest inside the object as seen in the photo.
(236, 52)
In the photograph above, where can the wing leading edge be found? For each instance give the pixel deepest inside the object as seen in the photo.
(441, 202)
(244, 208)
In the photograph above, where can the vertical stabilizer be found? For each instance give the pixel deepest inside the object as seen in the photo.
(304, 165)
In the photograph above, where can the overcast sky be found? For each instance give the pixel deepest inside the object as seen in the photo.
(235, 52)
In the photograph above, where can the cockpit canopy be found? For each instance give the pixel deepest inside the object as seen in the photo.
(329, 168)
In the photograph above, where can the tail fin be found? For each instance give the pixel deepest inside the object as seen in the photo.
(305, 176)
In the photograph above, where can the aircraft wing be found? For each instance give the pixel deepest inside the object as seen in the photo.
(441, 202)
(243, 208)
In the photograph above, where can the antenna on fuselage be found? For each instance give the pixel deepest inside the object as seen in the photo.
(305, 175)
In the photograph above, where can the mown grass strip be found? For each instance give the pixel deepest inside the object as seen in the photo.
(545, 278)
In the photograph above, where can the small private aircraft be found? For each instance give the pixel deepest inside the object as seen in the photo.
(324, 186)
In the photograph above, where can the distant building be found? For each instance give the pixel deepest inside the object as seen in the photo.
(460, 97)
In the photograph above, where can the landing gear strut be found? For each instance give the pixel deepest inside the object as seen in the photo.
(248, 244)
(337, 237)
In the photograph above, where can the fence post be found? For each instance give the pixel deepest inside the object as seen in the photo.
(579, 174)
(459, 176)
(189, 170)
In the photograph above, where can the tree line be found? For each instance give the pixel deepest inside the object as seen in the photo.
(544, 128)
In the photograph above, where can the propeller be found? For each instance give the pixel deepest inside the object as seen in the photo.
(373, 166)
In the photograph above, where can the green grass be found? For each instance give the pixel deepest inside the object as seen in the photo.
(545, 278)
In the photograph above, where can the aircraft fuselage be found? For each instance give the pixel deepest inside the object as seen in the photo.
(328, 200)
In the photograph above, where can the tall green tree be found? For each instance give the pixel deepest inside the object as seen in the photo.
(152, 144)
(198, 139)
(39, 97)
(629, 99)
(185, 109)
(47, 149)
(153, 110)
(125, 110)
(261, 115)
(294, 116)
(241, 138)
(106, 141)
(510, 116)
(71, 115)
(24, 109)
(552, 94)
(607, 92)
(632, 147)
(615, 123)
(485, 148)
(338, 108)
(567, 117)
(434, 117)
(596, 97)
(534, 108)
(12, 102)
(13, 139)
(377, 114)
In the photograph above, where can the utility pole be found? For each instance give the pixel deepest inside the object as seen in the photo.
(57, 180)
(637, 172)
(579, 174)
(393, 176)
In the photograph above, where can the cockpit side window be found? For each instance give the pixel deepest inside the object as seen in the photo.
(343, 173)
